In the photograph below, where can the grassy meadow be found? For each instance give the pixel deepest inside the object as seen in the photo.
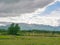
(12, 36)
(29, 38)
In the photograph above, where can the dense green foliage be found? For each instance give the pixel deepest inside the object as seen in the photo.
(13, 29)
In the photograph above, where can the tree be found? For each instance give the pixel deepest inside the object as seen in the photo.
(17, 28)
(13, 29)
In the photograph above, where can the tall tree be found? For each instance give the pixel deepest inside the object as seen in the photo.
(13, 29)
(17, 28)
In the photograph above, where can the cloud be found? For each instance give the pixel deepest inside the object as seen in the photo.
(50, 8)
(21, 6)
(52, 19)
(58, 0)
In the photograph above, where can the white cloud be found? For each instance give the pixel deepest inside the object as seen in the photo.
(58, 0)
(52, 19)
(34, 18)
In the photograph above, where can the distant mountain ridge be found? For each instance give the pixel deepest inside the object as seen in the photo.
(25, 26)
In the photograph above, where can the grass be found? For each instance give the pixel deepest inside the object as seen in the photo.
(28, 40)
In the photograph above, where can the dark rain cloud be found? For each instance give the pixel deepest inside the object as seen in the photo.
(21, 6)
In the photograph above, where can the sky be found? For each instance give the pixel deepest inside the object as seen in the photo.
(46, 12)
(16, 7)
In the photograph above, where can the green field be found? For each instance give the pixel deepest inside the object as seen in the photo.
(15, 36)
(29, 40)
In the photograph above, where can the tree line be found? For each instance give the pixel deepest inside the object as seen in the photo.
(13, 29)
